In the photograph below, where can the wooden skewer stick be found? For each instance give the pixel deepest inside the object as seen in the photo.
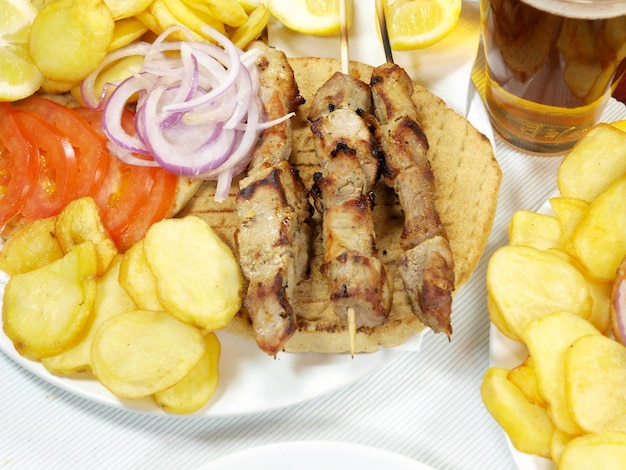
(345, 46)
(351, 319)
(382, 25)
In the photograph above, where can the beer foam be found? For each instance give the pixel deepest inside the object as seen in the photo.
(582, 9)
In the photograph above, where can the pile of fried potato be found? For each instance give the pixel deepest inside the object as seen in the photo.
(552, 288)
(100, 27)
(142, 322)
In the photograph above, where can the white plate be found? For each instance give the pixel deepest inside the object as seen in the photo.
(314, 455)
(252, 382)
(504, 352)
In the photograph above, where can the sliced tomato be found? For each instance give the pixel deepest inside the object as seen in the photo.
(131, 197)
(89, 146)
(155, 208)
(18, 164)
(55, 184)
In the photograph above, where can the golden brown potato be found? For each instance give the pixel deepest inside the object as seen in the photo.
(194, 390)
(597, 160)
(548, 339)
(606, 451)
(533, 229)
(137, 279)
(110, 300)
(45, 310)
(526, 283)
(527, 425)
(524, 377)
(80, 221)
(599, 240)
(198, 278)
(31, 246)
(136, 354)
(568, 211)
(595, 382)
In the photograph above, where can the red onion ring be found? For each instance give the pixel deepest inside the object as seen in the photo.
(197, 114)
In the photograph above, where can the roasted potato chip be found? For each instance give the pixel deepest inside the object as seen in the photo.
(606, 451)
(533, 229)
(139, 353)
(80, 221)
(59, 301)
(595, 382)
(524, 377)
(110, 300)
(526, 283)
(597, 160)
(31, 246)
(568, 211)
(137, 279)
(198, 278)
(194, 390)
(548, 339)
(599, 240)
(527, 425)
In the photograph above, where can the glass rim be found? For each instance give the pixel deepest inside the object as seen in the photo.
(584, 9)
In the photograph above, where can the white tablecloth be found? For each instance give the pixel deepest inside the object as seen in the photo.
(422, 405)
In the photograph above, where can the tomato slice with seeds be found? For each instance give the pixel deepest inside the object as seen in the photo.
(89, 146)
(18, 164)
(131, 197)
(55, 184)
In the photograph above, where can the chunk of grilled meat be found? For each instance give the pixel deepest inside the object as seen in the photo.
(426, 266)
(273, 238)
(348, 155)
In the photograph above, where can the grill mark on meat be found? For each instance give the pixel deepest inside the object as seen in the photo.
(426, 265)
(273, 237)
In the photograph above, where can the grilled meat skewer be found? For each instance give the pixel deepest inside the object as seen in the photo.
(426, 266)
(348, 154)
(272, 204)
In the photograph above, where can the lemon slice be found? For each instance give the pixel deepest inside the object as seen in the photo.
(19, 76)
(314, 17)
(415, 24)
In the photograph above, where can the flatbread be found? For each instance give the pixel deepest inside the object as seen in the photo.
(467, 178)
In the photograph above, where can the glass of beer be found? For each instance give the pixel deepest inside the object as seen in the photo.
(551, 66)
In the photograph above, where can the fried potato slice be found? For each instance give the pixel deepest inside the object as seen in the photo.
(57, 307)
(595, 382)
(138, 353)
(194, 390)
(137, 279)
(599, 240)
(568, 211)
(529, 228)
(526, 283)
(524, 377)
(198, 278)
(559, 441)
(527, 425)
(32, 246)
(605, 450)
(252, 28)
(126, 8)
(597, 160)
(80, 221)
(110, 300)
(548, 339)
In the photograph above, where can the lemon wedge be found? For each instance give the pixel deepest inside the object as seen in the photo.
(415, 24)
(314, 17)
(19, 76)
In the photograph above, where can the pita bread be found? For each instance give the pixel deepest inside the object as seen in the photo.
(467, 178)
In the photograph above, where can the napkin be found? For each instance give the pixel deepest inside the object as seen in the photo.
(444, 68)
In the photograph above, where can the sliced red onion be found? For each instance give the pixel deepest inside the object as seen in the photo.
(198, 112)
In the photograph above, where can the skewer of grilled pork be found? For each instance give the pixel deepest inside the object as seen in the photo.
(273, 238)
(426, 265)
(348, 155)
